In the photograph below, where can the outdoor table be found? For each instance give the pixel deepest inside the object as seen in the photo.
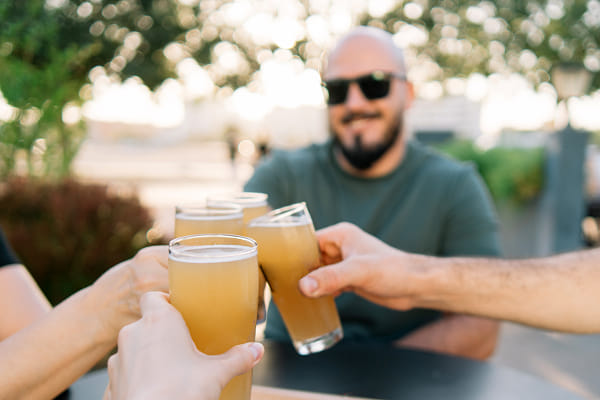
(375, 371)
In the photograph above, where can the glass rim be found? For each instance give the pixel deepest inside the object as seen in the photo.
(282, 212)
(243, 199)
(221, 211)
(252, 249)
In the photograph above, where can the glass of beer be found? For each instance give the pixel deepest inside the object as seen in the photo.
(202, 219)
(253, 205)
(288, 251)
(213, 282)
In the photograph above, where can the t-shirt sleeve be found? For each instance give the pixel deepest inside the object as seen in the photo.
(7, 255)
(273, 178)
(472, 227)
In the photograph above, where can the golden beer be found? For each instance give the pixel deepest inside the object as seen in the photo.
(253, 206)
(288, 251)
(251, 213)
(214, 219)
(213, 282)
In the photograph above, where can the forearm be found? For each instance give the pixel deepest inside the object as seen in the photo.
(21, 300)
(42, 360)
(558, 293)
(456, 334)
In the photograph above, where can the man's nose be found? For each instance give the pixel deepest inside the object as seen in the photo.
(355, 97)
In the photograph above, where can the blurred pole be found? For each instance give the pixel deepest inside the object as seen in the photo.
(569, 189)
(570, 80)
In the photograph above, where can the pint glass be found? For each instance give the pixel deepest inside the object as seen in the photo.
(200, 219)
(253, 205)
(213, 282)
(288, 250)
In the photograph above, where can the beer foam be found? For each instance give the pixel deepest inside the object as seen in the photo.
(290, 220)
(243, 199)
(251, 203)
(206, 217)
(212, 253)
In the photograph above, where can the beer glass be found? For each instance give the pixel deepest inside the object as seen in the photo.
(253, 205)
(200, 219)
(288, 251)
(213, 282)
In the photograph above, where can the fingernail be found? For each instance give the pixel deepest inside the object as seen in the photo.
(256, 349)
(309, 285)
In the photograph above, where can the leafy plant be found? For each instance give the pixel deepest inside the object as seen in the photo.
(49, 47)
(511, 174)
(68, 233)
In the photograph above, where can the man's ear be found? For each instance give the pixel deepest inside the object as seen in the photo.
(410, 94)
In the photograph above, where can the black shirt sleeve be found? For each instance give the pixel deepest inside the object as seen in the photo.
(7, 255)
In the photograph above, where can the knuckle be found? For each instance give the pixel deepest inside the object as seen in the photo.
(125, 334)
(112, 364)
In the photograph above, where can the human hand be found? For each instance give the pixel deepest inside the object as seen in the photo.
(115, 296)
(358, 262)
(157, 358)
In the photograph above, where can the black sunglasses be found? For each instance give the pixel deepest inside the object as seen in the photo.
(375, 85)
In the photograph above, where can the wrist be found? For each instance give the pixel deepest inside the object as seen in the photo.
(431, 277)
(103, 310)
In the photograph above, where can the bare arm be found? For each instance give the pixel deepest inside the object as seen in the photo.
(21, 300)
(559, 293)
(43, 359)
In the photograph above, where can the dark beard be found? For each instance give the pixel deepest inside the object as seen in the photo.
(362, 157)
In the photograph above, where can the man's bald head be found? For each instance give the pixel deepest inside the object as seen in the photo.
(367, 38)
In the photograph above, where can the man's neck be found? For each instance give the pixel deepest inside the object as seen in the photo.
(386, 164)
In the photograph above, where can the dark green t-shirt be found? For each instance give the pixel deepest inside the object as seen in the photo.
(428, 205)
(7, 255)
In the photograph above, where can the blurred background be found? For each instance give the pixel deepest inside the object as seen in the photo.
(111, 112)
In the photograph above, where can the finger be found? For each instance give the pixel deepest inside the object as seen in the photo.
(329, 238)
(332, 279)
(156, 308)
(240, 359)
(152, 301)
(159, 254)
(112, 365)
(337, 241)
(107, 395)
(330, 253)
(162, 282)
(113, 375)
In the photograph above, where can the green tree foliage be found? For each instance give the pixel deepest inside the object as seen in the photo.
(41, 70)
(48, 47)
(526, 37)
(513, 175)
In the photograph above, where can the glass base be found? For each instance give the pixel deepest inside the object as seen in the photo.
(320, 343)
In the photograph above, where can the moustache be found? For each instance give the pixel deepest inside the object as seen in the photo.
(349, 117)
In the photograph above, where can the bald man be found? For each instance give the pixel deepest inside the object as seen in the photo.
(370, 174)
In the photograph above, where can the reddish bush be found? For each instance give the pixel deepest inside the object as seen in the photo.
(68, 233)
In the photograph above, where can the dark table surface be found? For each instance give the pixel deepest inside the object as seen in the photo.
(381, 372)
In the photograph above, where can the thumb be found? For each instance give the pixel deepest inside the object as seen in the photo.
(241, 358)
(332, 278)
